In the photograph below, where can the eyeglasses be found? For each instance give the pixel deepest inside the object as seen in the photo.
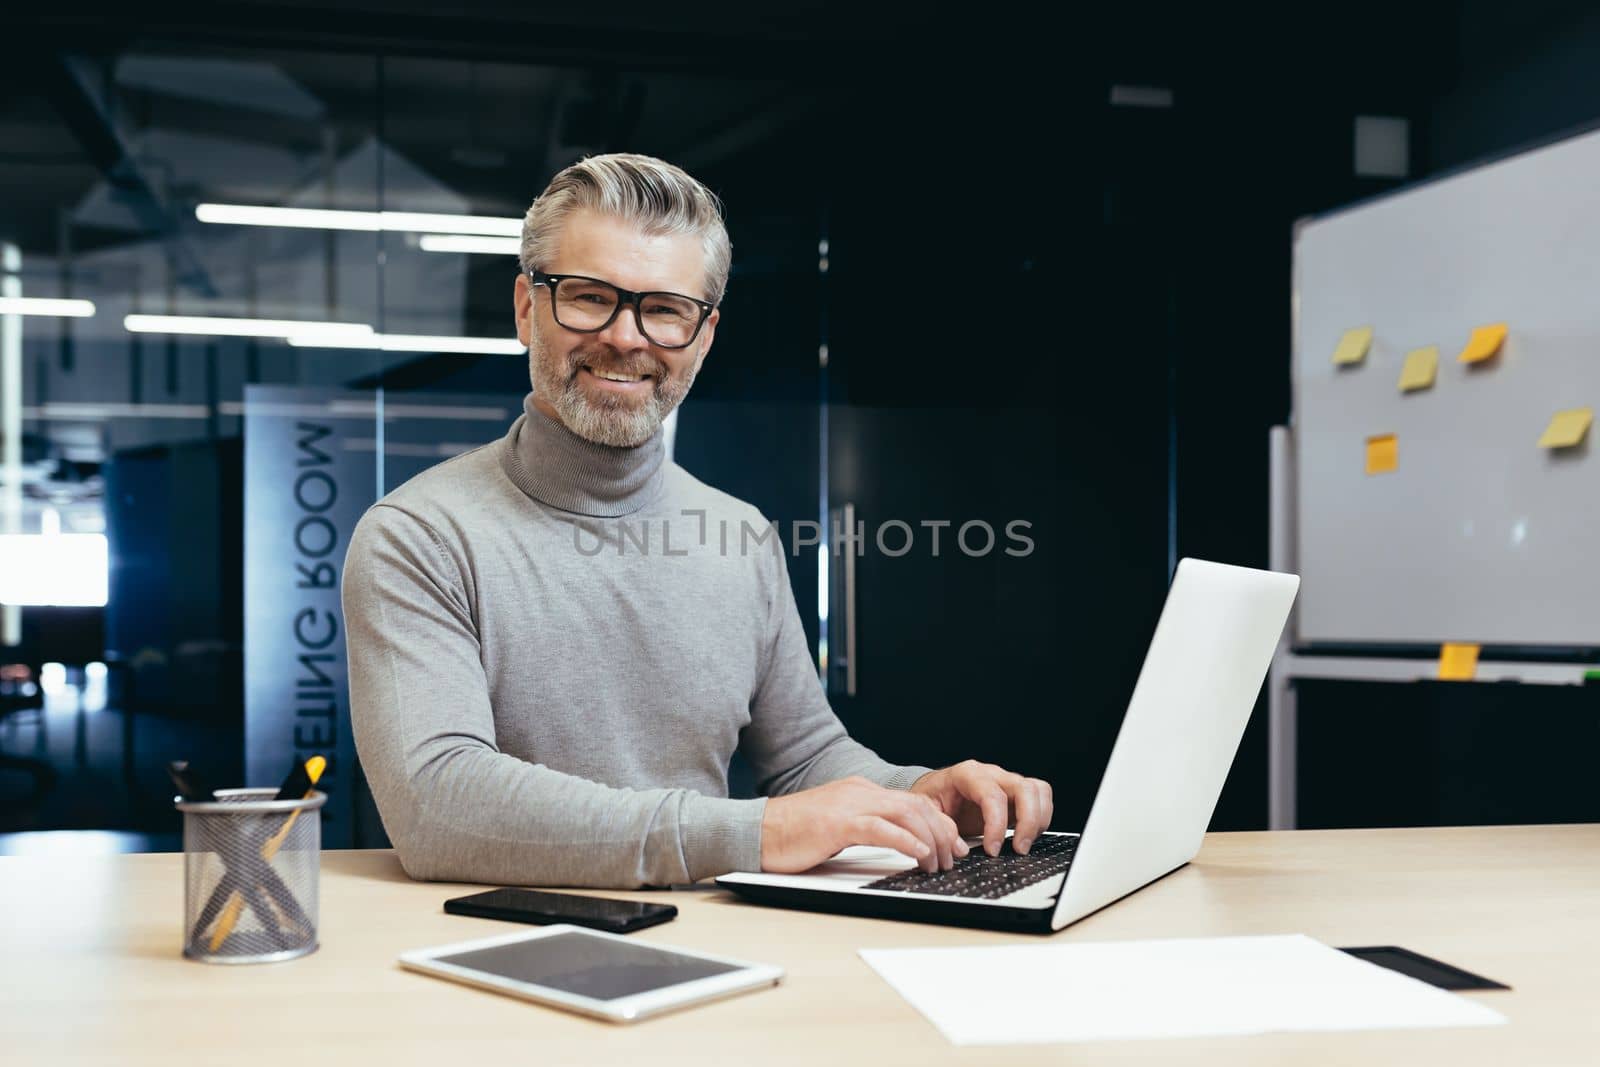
(589, 305)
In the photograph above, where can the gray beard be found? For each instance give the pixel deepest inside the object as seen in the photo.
(612, 422)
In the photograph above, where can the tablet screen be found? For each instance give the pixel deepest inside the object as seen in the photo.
(596, 967)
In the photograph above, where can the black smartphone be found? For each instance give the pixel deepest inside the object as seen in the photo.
(542, 909)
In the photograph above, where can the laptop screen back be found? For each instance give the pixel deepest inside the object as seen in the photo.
(1211, 650)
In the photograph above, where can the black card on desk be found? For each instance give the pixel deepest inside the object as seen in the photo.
(1423, 968)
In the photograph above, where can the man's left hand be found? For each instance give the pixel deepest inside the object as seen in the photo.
(983, 798)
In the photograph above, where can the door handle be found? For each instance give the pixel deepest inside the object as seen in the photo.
(850, 603)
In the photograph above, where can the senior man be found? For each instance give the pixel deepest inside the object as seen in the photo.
(531, 711)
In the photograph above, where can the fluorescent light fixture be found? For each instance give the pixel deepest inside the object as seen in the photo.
(391, 410)
(454, 242)
(55, 569)
(293, 218)
(416, 222)
(408, 342)
(492, 346)
(217, 326)
(371, 221)
(1141, 96)
(69, 411)
(38, 305)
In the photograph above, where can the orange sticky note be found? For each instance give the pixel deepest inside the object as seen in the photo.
(1567, 428)
(1458, 663)
(1484, 343)
(1422, 366)
(1352, 347)
(1383, 453)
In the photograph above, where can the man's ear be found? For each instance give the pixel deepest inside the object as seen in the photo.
(708, 334)
(522, 308)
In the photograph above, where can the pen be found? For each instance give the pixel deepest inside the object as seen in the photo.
(302, 779)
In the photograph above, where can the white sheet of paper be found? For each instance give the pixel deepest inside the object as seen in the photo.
(1191, 987)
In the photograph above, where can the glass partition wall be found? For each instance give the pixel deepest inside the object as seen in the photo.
(147, 303)
(247, 291)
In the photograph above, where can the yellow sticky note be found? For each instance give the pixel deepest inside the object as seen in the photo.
(1383, 453)
(1567, 428)
(1422, 366)
(1458, 663)
(1484, 343)
(1352, 347)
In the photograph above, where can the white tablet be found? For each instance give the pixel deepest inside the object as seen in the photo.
(605, 975)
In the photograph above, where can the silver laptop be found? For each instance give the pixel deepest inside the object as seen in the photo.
(1205, 666)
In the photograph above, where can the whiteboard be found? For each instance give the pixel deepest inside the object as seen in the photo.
(1479, 535)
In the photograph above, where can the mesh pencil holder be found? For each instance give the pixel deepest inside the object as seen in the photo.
(250, 867)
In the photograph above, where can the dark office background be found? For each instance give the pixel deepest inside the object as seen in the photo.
(1038, 304)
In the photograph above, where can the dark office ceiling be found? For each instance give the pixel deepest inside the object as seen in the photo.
(490, 131)
(716, 35)
(491, 97)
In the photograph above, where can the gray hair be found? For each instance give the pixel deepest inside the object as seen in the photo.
(651, 193)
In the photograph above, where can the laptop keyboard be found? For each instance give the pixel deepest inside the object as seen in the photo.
(987, 877)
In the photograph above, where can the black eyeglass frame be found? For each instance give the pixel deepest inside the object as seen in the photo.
(625, 298)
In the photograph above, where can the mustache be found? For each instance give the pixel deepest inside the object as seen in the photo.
(612, 360)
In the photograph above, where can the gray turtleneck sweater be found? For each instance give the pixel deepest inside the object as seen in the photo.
(555, 648)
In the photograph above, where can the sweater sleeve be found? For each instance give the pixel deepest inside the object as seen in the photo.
(794, 740)
(457, 808)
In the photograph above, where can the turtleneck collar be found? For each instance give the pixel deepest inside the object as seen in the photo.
(557, 467)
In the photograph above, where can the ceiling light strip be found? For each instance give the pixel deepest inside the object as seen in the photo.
(218, 326)
(38, 305)
(455, 242)
(368, 221)
(393, 342)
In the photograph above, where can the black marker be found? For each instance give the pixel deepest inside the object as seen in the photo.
(304, 775)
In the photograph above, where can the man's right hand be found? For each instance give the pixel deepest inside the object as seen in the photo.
(802, 829)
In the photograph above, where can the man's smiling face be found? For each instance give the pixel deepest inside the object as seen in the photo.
(613, 387)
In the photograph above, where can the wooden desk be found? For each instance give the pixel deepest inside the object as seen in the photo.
(91, 969)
